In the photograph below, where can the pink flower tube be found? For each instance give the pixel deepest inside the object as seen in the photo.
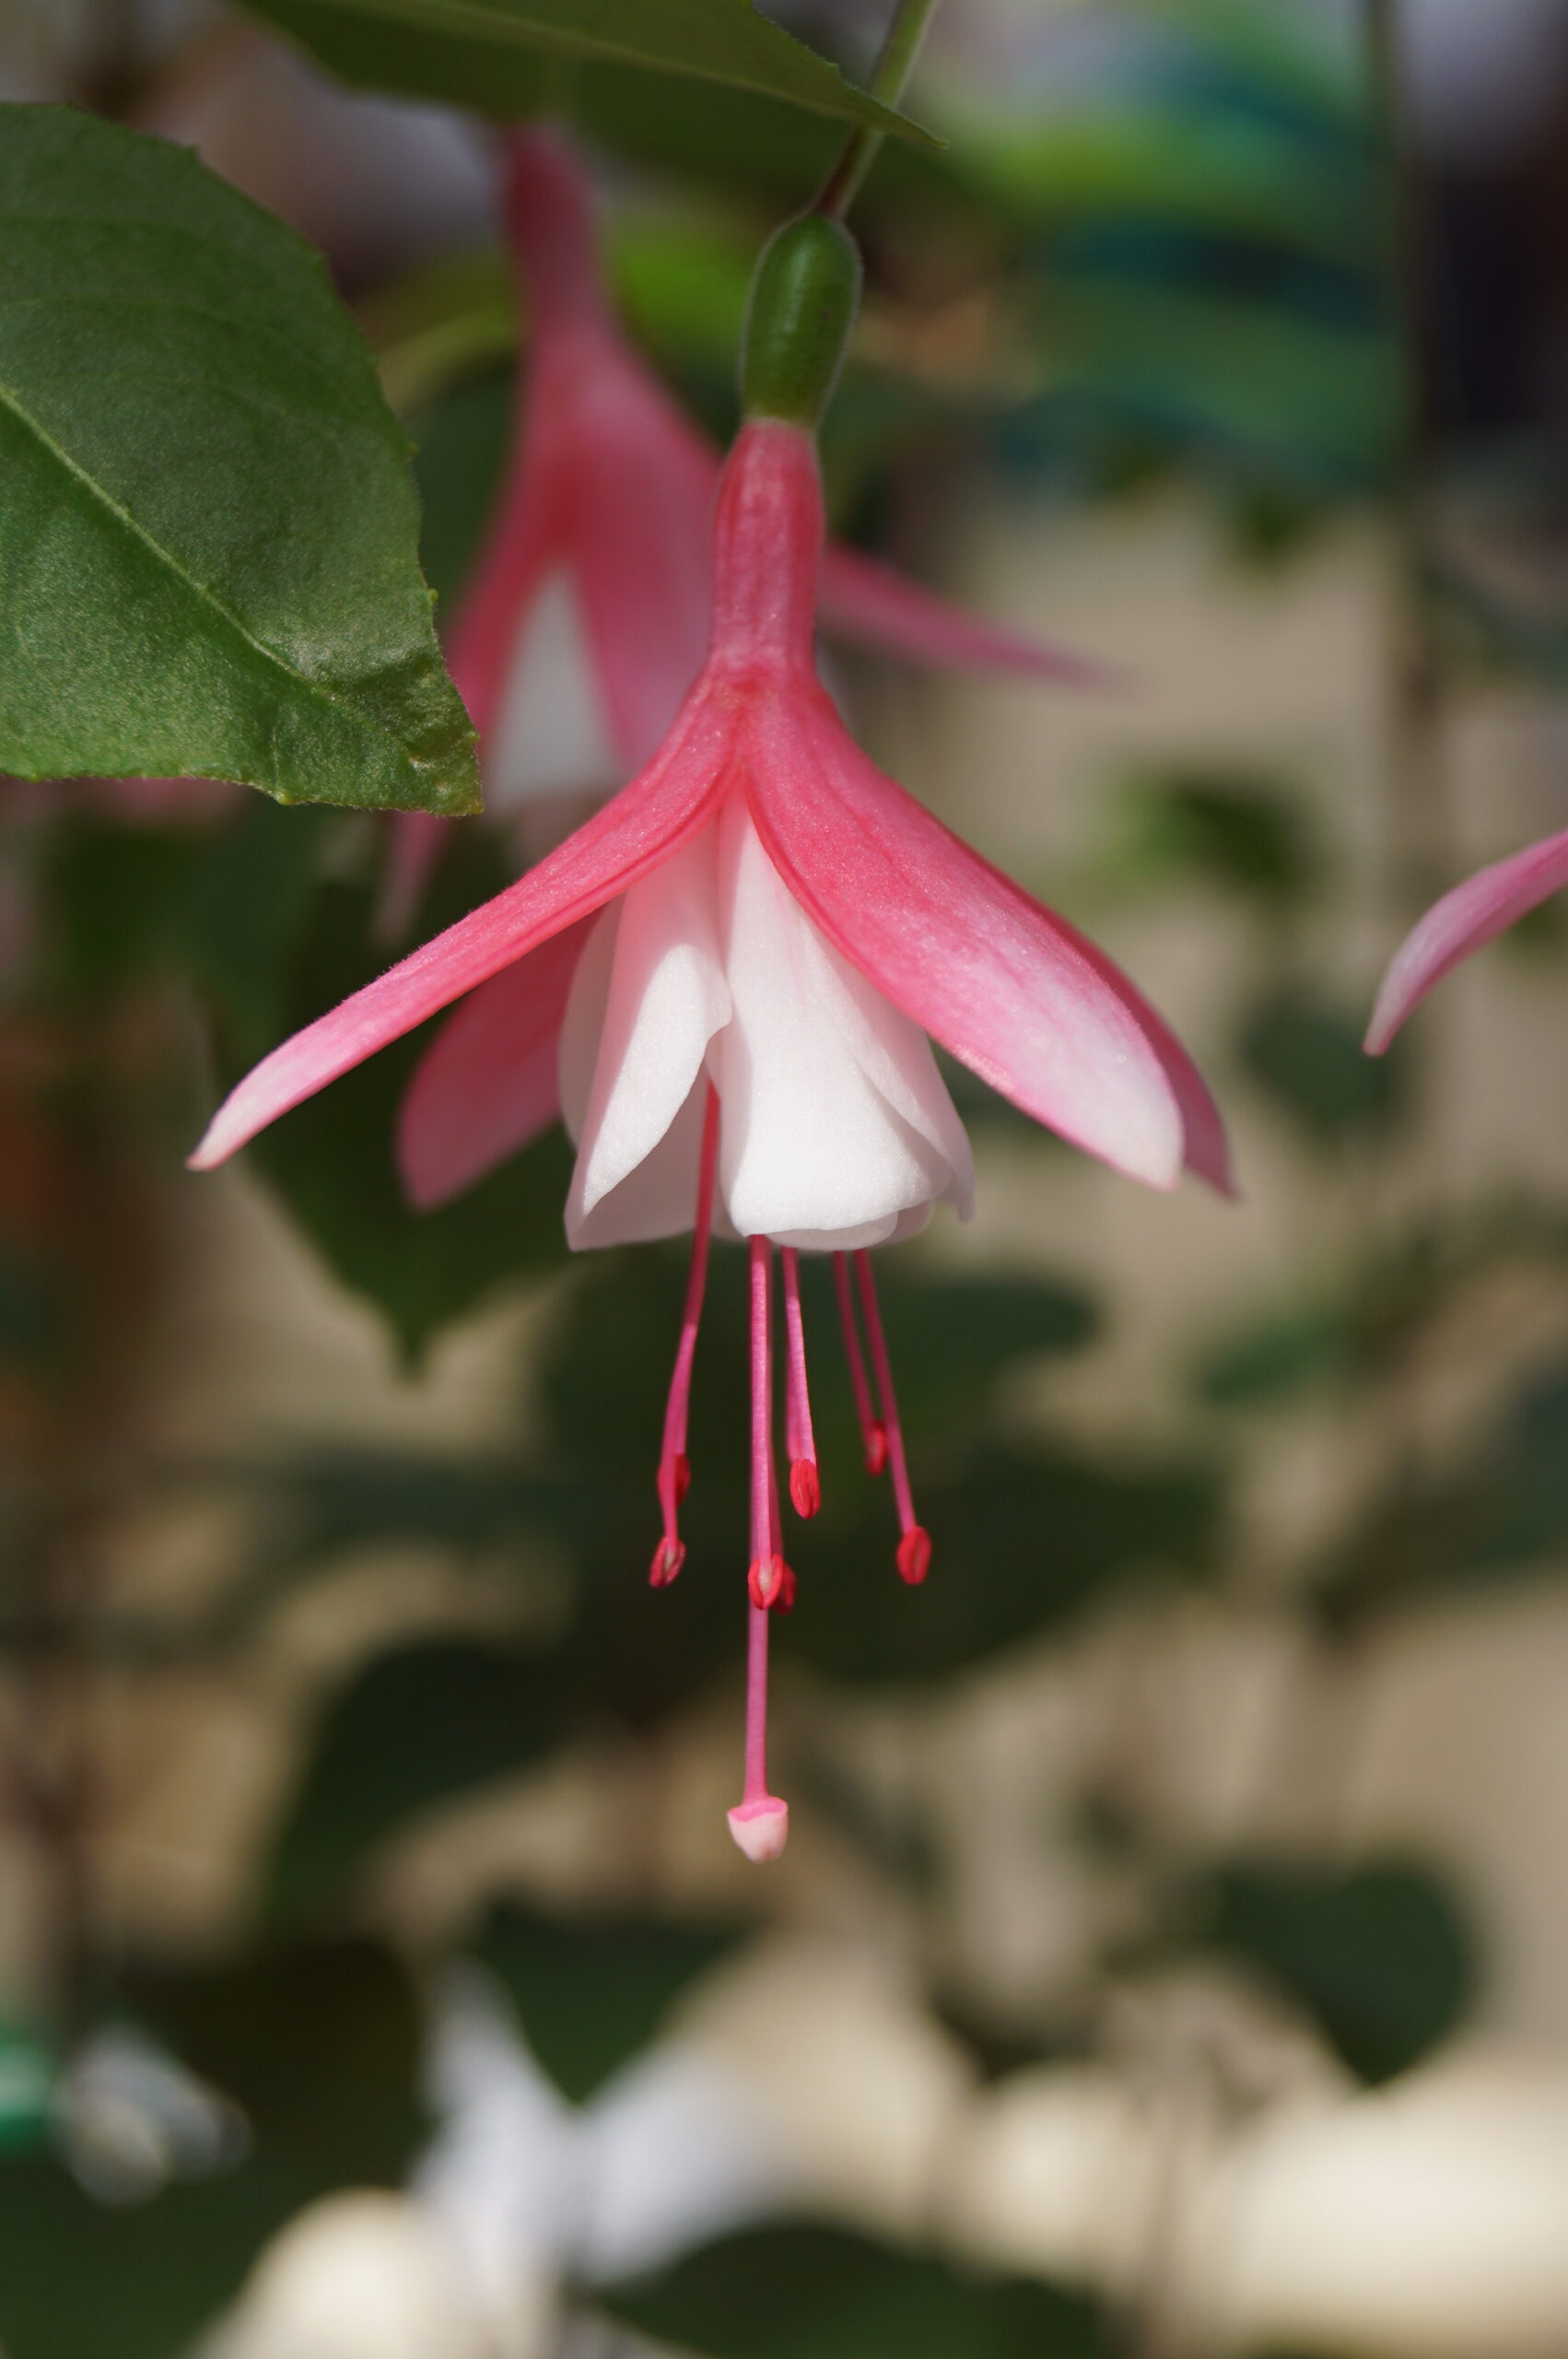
(587, 618)
(1462, 921)
(728, 982)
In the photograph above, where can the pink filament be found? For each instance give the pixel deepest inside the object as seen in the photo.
(765, 1578)
(805, 1487)
(914, 1545)
(756, 1705)
(873, 1435)
(675, 1468)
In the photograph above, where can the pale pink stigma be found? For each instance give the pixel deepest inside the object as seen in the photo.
(915, 1541)
(805, 1484)
(872, 1434)
(760, 1822)
(674, 1466)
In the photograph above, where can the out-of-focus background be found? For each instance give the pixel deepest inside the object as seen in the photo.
(1171, 1954)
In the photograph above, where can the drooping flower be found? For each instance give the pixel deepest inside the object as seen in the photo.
(1485, 905)
(726, 980)
(587, 619)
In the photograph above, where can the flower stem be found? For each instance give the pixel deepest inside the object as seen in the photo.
(900, 47)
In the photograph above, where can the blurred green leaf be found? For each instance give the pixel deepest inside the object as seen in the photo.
(35, 1317)
(1381, 1956)
(319, 1503)
(1022, 1542)
(800, 2291)
(1212, 169)
(591, 1994)
(174, 367)
(245, 908)
(1498, 1513)
(415, 1727)
(1243, 384)
(113, 900)
(1284, 1355)
(1214, 827)
(1359, 1325)
(460, 446)
(27, 2089)
(496, 55)
(319, 2047)
(1306, 1053)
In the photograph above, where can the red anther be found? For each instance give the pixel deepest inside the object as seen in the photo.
(683, 1477)
(876, 1450)
(668, 1558)
(784, 1601)
(765, 1579)
(915, 1555)
(805, 1487)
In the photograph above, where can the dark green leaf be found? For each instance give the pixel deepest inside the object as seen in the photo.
(415, 1727)
(1381, 1956)
(1215, 828)
(1281, 1357)
(27, 2089)
(113, 899)
(461, 444)
(489, 53)
(800, 2291)
(319, 2047)
(1499, 1513)
(207, 564)
(1023, 1541)
(591, 1995)
(1307, 1055)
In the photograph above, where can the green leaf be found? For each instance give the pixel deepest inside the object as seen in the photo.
(488, 54)
(27, 2089)
(800, 2291)
(1022, 1542)
(590, 1995)
(415, 1727)
(1499, 1515)
(1381, 1955)
(1218, 828)
(319, 2047)
(208, 528)
(1307, 1055)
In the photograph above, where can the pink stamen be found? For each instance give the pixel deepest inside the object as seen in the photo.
(805, 1483)
(760, 1822)
(873, 1435)
(915, 1541)
(674, 1466)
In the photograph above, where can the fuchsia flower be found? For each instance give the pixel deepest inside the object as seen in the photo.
(1463, 920)
(587, 619)
(726, 980)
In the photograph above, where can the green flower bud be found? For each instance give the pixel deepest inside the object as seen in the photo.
(804, 300)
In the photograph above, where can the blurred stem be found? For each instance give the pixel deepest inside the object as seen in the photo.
(900, 47)
(1418, 865)
(111, 78)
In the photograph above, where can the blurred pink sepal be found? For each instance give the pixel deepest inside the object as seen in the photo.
(1485, 905)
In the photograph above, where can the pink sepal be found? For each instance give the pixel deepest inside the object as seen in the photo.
(866, 601)
(640, 828)
(1483, 906)
(1003, 982)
